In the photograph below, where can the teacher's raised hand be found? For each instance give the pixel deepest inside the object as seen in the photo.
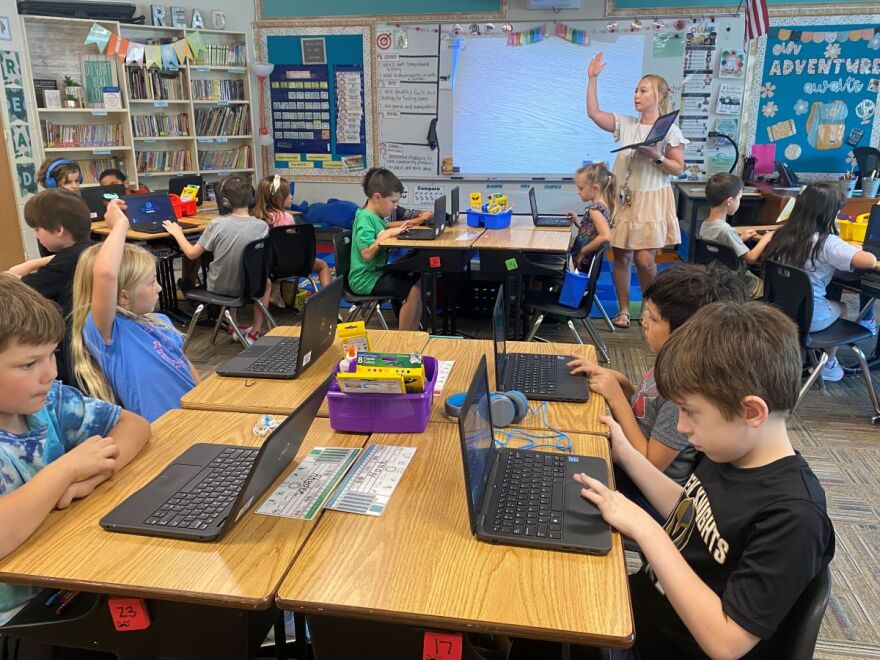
(595, 66)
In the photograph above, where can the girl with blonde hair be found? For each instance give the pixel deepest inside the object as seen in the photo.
(598, 187)
(645, 220)
(122, 351)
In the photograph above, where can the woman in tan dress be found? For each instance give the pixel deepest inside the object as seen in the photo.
(645, 220)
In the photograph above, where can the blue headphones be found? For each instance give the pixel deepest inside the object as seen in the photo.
(50, 181)
(506, 407)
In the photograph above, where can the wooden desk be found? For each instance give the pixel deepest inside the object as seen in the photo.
(243, 570)
(201, 221)
(281, 397)
(456, 237)
(569, 417)
(528, 240)
(418, 564)
(526, 222)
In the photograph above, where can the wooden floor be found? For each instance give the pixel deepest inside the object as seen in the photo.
(833, 431)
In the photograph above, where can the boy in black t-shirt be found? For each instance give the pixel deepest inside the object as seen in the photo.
(749, 530)
(62, 222)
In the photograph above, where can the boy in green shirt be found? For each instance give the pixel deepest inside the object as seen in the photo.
(366, 276)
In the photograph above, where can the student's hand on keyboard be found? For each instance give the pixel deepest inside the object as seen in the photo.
(172, 228)
(581, 365)
(602, 382)
(391, 232)
(621, 513)
(748, 234)
(572, 218)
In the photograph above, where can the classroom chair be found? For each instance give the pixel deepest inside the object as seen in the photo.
(796, 635)
(291, 254)
(789, 289)
(707, 251)
(541, 303)
(364, 304)
(868, 159)
(254, 273)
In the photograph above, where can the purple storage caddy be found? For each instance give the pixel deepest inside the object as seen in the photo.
(383, 413)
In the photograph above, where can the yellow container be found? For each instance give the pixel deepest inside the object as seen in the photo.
(858, 232)
(845, 227)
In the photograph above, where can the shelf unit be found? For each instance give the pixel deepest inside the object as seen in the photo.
(157, 138)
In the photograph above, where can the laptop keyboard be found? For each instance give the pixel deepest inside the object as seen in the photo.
(419, 233)
(200, 506)
(280, 359)
(553, 221)
(530, 503)
(533, 374)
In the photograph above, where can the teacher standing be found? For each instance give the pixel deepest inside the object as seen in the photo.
(645, 220)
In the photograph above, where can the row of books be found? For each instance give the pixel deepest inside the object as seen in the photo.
(148, 84)
(226, 159)
(160, 125)
(218, 90)
(91, 168)
(219, 55)
(231, 120)
(163, 161)
(81, 135)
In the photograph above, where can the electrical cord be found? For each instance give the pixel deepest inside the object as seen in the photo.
(558, 439)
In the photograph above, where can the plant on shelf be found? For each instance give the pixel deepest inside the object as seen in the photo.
(73, 93)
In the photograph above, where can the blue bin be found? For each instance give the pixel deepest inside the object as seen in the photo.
(489, 220)
(574, 285)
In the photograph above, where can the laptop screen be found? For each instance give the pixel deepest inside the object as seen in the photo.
(147, 209)
(533, 202)
(499, 334)
(661, 127)
(477, 442)
(872, 234)
(176, 184)
(96, 198)
(453, 216)
(440, 212)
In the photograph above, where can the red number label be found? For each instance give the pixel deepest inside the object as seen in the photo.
(441, 646)
(129, 613)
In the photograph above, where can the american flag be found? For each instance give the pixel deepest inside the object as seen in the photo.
(757, 19)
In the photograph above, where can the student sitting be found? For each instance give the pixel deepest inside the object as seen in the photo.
(226, 237)
(368, 260)
(62, 223)
(749, 530)
(114, 176)
(60, 173)
(649, 420)
(121, 349)
(56, 445)
(724, 193)
(597, 186)
(809, 240)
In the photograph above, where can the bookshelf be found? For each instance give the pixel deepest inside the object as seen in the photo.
(195, 121)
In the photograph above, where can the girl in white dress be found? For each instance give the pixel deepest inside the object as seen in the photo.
(645, 219)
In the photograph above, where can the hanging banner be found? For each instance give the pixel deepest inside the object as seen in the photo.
(167, 56)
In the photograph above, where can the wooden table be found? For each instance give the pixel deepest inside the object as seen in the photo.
(569, 417)
(281, 397)
(242, 571)
(523, 239)
(201, 220)
(418, 564)
(456, 237)
(525, 222)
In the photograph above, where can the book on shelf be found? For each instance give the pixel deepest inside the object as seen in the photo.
(226, 159)
(91, 168)
(163, 161)
(151, 85)
(229, 120)
(81, 135)
(160, 125)
(112, 98)
(218, 90)
(223, 55)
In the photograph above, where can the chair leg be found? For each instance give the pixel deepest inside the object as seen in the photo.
(220, 317)
(574, 331)
(597, 340)
(368, 314)
(539, 319)
(604, 314)
(866, 375)
(817, 369)
(235, 329)
(350, 314)
(269, 318)
(382, 321)
(192, 325)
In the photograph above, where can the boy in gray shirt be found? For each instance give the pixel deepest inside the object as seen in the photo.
(226, 238)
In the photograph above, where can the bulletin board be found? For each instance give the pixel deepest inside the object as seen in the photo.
(814, 86)
(319, 112)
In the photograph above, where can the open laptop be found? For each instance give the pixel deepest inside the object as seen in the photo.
(871, 279)
(203, 493)
(430, 233)
(545, 220)
(539, 377)
(289, 357)
(96, 198)
(522, 497)
(146, 213)
(176, 184)
(658, 132)
(452, 218)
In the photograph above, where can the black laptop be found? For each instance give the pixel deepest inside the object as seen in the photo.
(539, 377)
(870, 279)
(147, 212)
(430, 233)
(176, 184)
(521, 497)
(545, 220)
(288, 357)
(452, 218)
(96, 198)
(203, 493)
(657, 133)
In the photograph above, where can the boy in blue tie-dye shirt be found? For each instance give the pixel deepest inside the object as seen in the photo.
(56, 445)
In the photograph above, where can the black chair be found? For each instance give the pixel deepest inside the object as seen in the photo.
(254, 273)
(707, 251)
(868, 159)
(292, 253)
(795, 637)
(789, 289)
(365, 304)
(541, 303)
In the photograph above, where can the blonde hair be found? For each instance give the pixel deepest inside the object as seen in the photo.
(137, 265)
(269, 200)
(599, 174)
(661, 89)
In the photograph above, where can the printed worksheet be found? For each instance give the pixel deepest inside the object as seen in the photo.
(371, 482)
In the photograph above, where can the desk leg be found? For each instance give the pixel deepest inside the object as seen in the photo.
(168, 297)
(692, 232)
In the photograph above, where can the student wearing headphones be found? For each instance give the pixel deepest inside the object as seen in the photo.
(226, 237)
(60, 173)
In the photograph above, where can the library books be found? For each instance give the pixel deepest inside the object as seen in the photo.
(163, 161)
(218, 90)
(226, 159)
(82, 135)
(230, 120)
(152, 86)
(160, 125)
(219, 55)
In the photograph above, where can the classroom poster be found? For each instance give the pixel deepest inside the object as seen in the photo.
(817, 95)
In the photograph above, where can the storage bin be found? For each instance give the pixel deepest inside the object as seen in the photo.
(857, 232)
(574, 285)
(181, 208)
(383, 413)
(489, 220)
(844, 227)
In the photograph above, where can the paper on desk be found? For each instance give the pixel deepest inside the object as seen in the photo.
(302, 494)
(444, 368)
(467, 236)
(371, 482)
